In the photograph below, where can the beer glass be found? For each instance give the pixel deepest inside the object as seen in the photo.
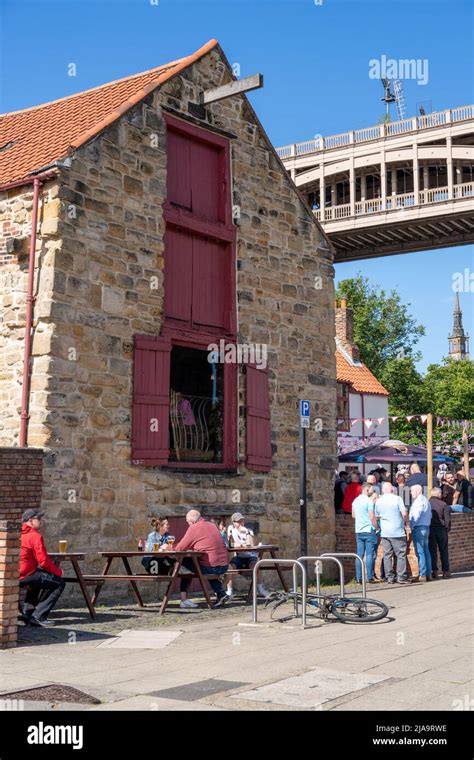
(63, 546)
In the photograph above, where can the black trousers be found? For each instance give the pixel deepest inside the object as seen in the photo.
(439, 540)
(48, 586)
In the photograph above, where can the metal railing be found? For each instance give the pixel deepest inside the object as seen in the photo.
(304, 584)
(325, 558)
(367, 134)
(396, 202)
(357, 557)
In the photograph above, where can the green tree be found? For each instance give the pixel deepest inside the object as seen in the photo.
(383, 327)
(449, 389)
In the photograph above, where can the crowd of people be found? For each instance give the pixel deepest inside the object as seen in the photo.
(383, 514)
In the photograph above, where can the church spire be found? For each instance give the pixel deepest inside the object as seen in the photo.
(458, 340)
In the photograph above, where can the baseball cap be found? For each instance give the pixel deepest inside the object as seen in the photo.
(236, 517)
(28, 514)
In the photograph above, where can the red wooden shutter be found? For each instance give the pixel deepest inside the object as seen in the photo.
(259, 447)
(205, 180)
(178, 275)
(211, 283)
(150, 401)
(179, 170)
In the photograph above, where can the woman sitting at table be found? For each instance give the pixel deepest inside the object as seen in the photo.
(239, 536)
(159, 535)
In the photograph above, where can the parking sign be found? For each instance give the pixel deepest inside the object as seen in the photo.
(304, 413)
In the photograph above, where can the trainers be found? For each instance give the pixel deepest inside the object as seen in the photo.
(23, 619)
(230, 593)
(373, 580)
(422, 579)
(446, 574)
(221, 599)
(434, 576)
(262, 591)
(404, 582)
(187, 604)
(37, 623)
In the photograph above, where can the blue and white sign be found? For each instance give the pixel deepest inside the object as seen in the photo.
(304, 413)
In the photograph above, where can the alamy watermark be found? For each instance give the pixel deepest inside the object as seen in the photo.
(463, 282)
(403, 68)
(238, 353)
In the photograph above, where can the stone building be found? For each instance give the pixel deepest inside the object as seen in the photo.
(183, 302)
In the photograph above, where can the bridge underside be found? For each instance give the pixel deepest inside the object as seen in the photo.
(406, 236)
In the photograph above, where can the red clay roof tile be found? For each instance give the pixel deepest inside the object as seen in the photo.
(46, 133)
(360, 378)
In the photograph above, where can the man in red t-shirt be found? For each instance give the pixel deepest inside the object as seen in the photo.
(38, 573)
(353, 489)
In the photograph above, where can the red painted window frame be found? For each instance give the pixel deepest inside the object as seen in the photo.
(201, 341)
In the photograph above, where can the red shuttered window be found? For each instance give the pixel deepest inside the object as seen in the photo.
(150, 405)
(259, 447)
(200, 236)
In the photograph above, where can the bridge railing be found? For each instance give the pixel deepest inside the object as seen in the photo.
(415, 123)
(394, 202)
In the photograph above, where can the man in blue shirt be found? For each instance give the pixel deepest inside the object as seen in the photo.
(420, 520)
(366, 528)
(393, 517)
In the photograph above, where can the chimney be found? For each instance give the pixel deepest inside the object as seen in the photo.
(345, 329)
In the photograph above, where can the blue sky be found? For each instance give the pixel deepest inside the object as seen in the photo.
(315, 60)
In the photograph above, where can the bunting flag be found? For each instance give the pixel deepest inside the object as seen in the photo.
(440, 421)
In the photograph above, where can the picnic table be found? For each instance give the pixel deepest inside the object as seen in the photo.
(132, 578)
(74, 558)
(261, 549)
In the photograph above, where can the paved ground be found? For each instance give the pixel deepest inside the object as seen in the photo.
(421, 657)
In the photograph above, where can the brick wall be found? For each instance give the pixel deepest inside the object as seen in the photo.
(461, 544)
(20, 488)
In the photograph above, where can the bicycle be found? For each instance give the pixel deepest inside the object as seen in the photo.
(345, 609)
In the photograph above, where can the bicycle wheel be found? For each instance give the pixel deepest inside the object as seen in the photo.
(358, 610)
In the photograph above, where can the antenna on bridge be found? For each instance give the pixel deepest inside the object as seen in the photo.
(400, 99)
(388, 97)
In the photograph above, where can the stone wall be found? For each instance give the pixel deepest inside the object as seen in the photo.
(105, 247)
(15, 233)
(461, 544)
(20, 488)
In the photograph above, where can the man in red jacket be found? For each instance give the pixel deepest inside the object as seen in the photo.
(38, 573)
(352, 490)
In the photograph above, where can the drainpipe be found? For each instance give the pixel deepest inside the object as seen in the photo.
(29, 315)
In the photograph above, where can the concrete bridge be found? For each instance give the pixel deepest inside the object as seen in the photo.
(392, 188)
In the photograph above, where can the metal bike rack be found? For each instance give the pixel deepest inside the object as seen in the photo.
(295, 563)
(362, 565)
(322, 558)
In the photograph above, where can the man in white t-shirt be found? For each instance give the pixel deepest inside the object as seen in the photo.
(240, 536)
